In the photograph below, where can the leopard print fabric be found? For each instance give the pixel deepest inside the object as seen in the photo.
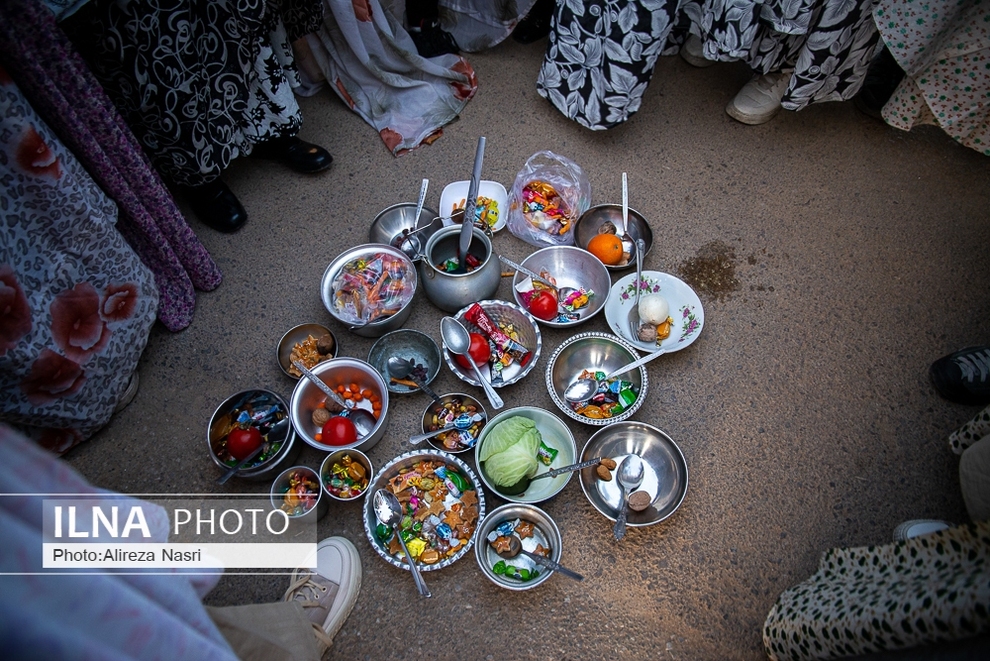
(970, 432)
(929, 589)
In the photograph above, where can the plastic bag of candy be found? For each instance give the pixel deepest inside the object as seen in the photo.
(548, 196)
(371, 288)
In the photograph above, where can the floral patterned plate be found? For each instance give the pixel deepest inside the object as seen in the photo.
(685, 309)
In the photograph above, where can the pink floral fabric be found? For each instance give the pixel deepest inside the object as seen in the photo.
(944, 48)
(76, 302)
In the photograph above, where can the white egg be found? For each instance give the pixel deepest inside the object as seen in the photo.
(653, 309)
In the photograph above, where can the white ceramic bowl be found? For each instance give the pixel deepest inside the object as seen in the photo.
(455, 193)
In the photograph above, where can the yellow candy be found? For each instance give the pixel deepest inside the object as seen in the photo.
(416, 546)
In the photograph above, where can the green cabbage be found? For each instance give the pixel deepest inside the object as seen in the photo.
(509, 451)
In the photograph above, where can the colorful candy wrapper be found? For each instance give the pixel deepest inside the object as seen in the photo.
(477, 316)
(546, 454)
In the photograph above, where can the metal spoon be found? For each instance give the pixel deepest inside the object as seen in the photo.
(627, 242)
(583, 389)
(401, 368)
(630, 476)
(634, 320)
(275, 434)
(515, 548)
(462, 421)
(389, 512)
(422, 200)
(458, 340)
(562, 292)
(470, 208)
(364, 421)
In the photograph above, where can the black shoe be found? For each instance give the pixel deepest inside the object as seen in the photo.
(882, 79)
(304, 157)
(216, 205)
(431, 41)
(963, 377)
(536, 24)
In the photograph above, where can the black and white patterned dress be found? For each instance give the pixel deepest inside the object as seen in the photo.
(601, 53)
(200, 82)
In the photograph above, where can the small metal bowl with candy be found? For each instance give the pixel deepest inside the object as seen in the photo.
(595, 355)
(442, 503)
(345, 474)
(308, 343)
(536, 532)
(513, 337)
(298, 493)
(582, 286)
(250, 411)
(462, 416)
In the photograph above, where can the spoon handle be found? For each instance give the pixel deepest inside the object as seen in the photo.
(552, 565)
(567, 469)
(419, 438)
(428, 390)
(417, 577)
(327, 390)
(634, 320)
(525, 271)
(493, 397)
(421, 202)
(636, 363)
(625, 203)
(620, 521)
(240, 464)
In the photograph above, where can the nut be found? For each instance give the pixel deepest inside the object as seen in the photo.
(639, 501)
(320, 417)
(325, 345)
(609, 463)
(603, 473)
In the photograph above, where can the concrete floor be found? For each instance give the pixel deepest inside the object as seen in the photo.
(804, 409)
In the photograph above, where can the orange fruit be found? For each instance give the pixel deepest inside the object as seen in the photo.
(607, 248)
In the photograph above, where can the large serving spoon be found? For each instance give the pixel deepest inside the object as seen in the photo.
(629, 477)
(634, 321)
(275, 434)
(458, 340)
(364, 421)
(389, 512)
(524, 482)
(628, 246)
(584, 389)
(470, 208)
(462, 421)
(402, 368)
(515, 548)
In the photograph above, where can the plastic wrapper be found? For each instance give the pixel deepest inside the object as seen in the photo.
(548, 196)
(371, 288)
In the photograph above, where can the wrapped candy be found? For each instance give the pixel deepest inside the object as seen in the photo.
(477, 316)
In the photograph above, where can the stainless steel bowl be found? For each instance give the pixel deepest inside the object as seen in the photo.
(326, 471)
(545, 532)
(591, 220)
(296, 335)
(340, 371)
(369, 251)
(281, 485)
(529, 336)
(269, 463)
(665, 476)
(466, 401)
(569, 267)
(556, 434)
(409, 344)
(393, 221)
(404, 463)
(594, 352)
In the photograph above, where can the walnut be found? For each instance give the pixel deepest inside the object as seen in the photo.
(647, 333)
(320, 417)
(639, 501)
(325, 345)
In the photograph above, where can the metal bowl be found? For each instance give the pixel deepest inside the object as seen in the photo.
(340, 371)
(268, 463)
(466, 401)
(529, 336)
(556, 435)
(297, 335)
(594, 352)
(378, 327)
(404, 463)
(326, 471)
(545, 532)
(410, 344)
(569, 267)
(281, 485)
(591, 220)
(392, 222)
(665, 475)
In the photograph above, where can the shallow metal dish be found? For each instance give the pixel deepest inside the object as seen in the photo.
(390, 470)
(569, 267)
(546, 533)
(297, 335)
(665, 476)
(390, 223)
(465, 399)
(258, 469)
(591, 220)
(593, 351)
(408, 344)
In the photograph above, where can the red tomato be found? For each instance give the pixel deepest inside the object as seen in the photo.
(479, 350)
(339, 430)
(543, 305)
(242, 442)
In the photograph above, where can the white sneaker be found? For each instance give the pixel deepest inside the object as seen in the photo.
(129, 392)
(916, 527)
(759, 99)
(693, 52)
(328, 595)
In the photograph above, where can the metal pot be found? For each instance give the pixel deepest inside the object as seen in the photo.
(453, 291)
